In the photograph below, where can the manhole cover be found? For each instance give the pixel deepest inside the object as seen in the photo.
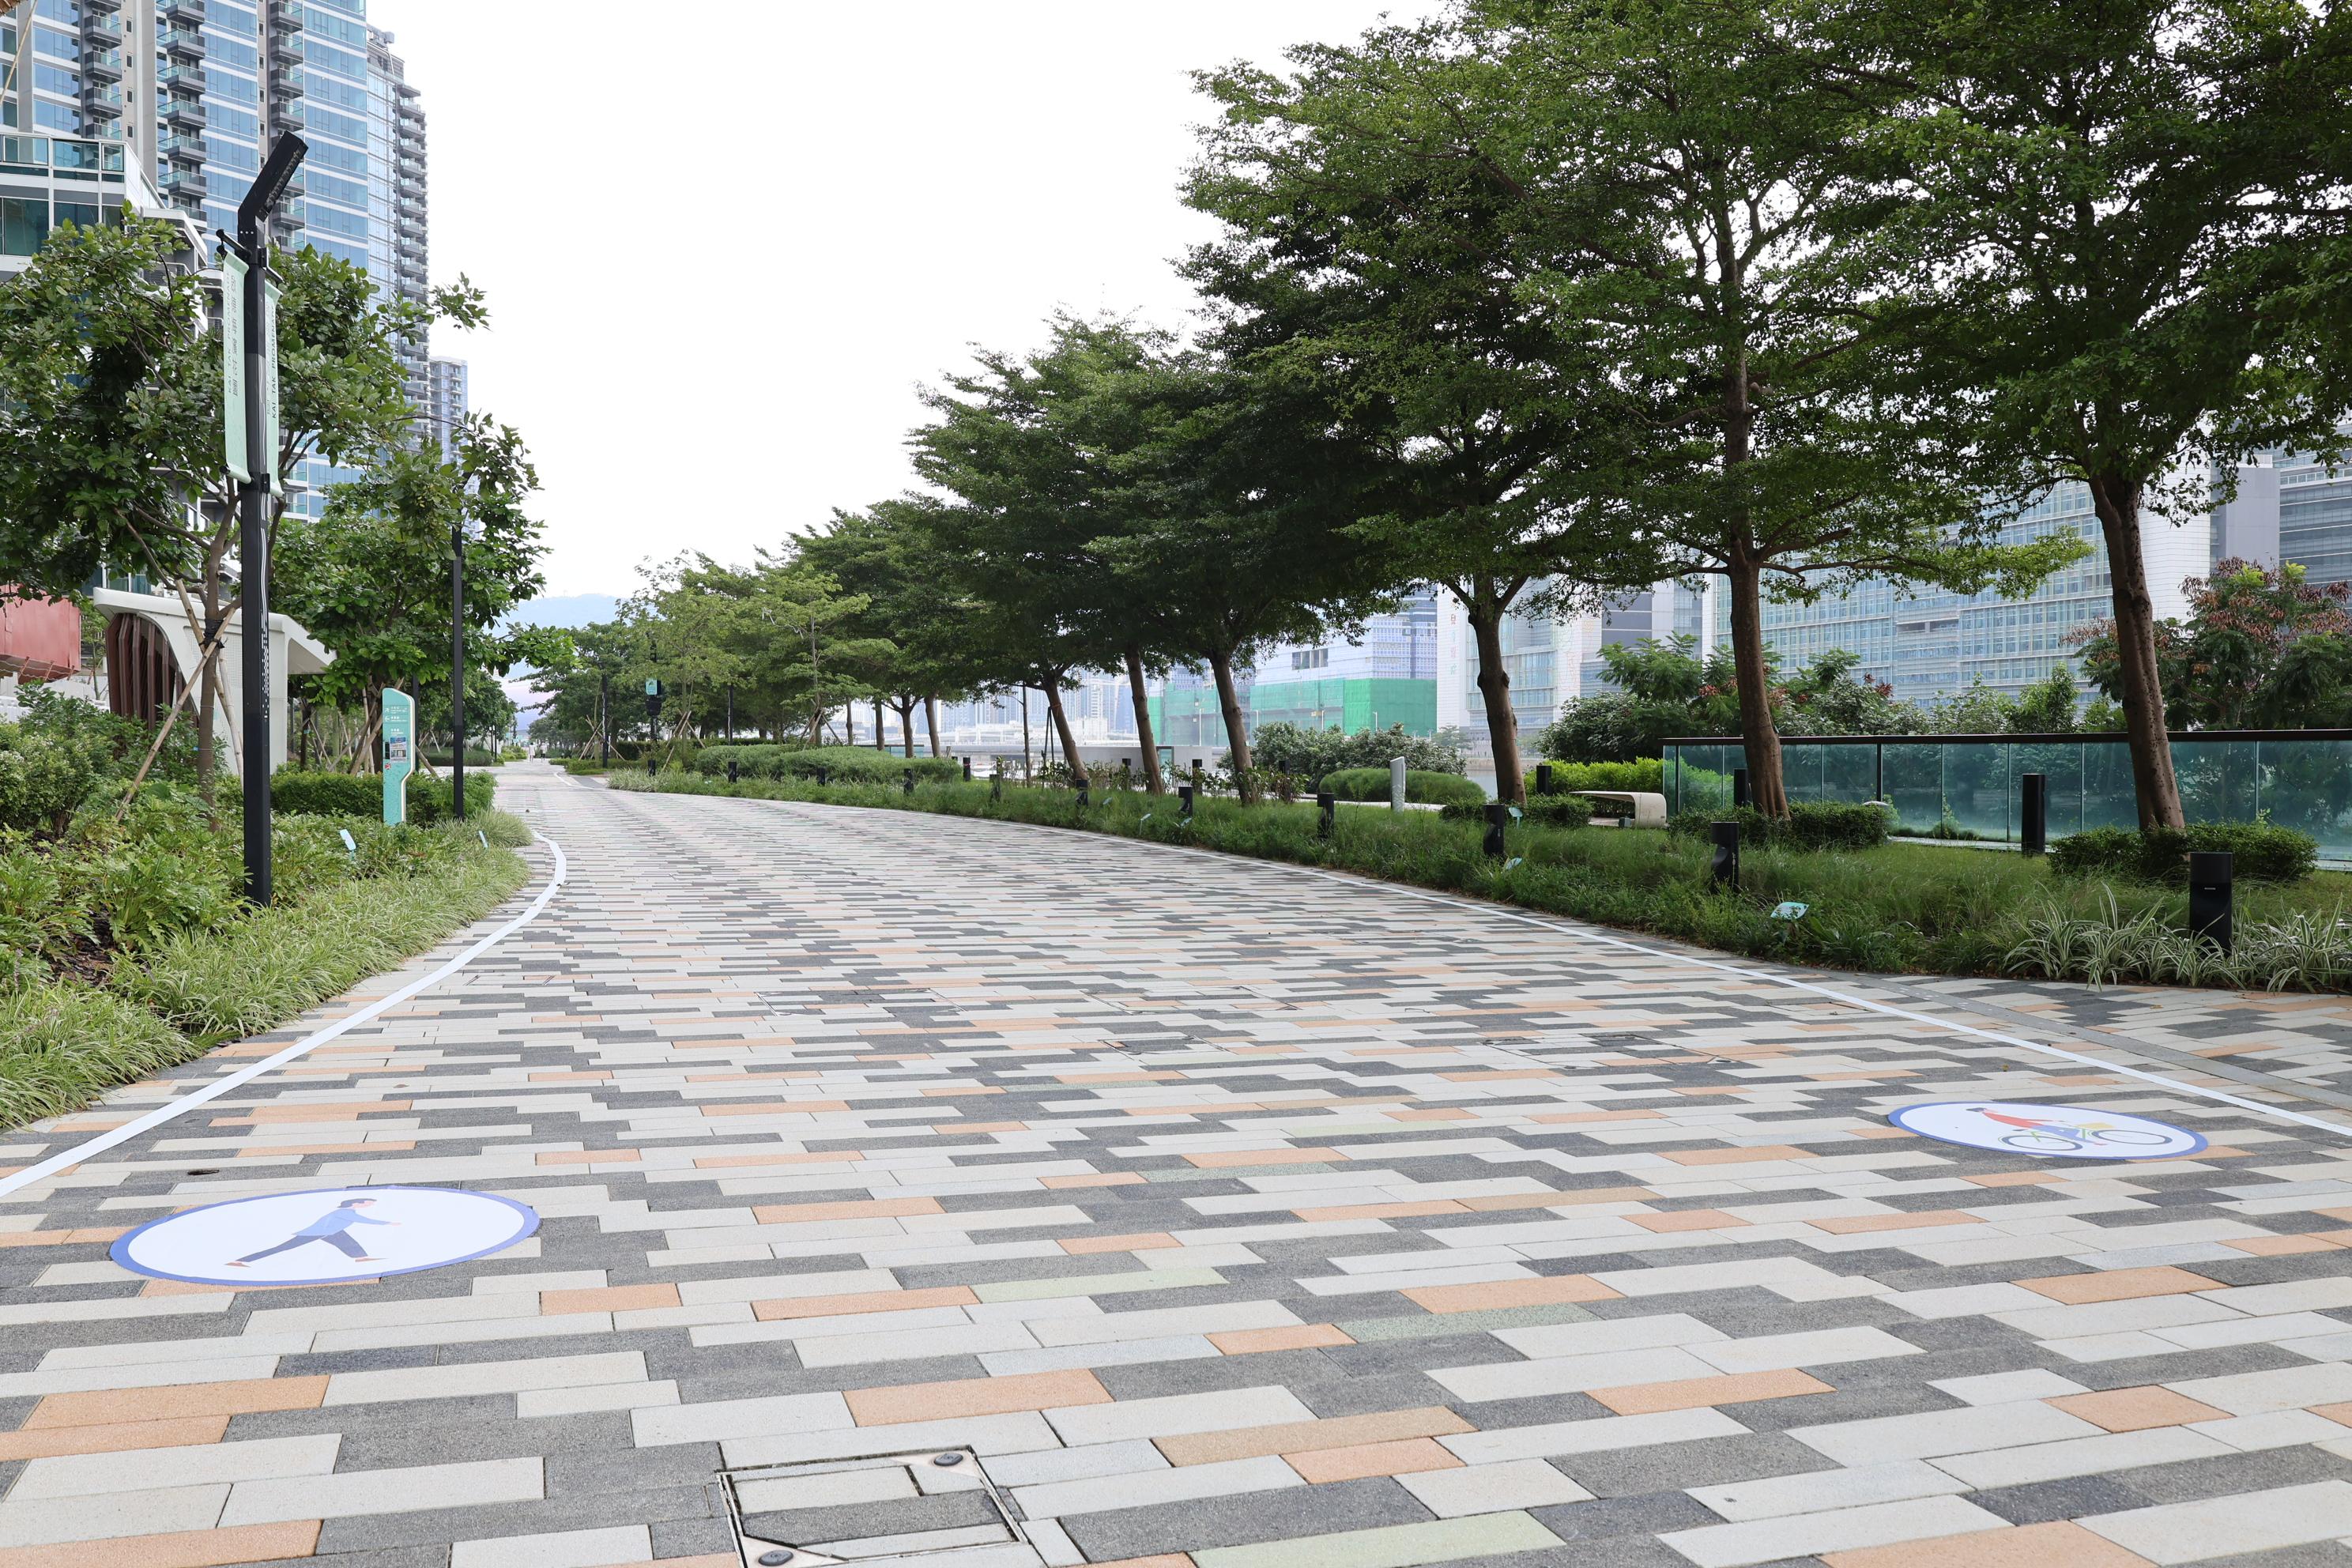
(937, 1504)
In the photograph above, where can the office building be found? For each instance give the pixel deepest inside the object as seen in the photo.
(1928, 643)
(1385, 675)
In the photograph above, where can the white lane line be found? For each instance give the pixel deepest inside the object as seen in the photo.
(1560, 925)
(309, 1043)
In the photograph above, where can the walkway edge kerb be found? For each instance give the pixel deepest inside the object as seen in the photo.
(69, 1158)
(1581, 933)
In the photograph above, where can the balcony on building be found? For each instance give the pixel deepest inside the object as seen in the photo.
(100, 7)
(100, 30)
(180, 79)
(181, 43)
(290, 114)
(186, 114)
(182, 12)
(187, 150)
(287, 49)
(102, 102)
(285, 81)
(102, 64)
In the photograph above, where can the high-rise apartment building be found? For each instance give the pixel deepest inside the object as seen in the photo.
(445, 402)
(187, 96)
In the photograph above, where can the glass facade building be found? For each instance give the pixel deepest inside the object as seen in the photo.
(190, 94)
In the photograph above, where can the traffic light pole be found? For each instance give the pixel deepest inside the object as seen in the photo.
(253, 507)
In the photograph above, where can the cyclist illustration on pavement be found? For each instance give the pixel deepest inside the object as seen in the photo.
(333, 1228)
(2048, 1134)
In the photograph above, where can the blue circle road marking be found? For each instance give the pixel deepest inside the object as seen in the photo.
(284, 1238)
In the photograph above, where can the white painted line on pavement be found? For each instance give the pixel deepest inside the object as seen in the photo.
(303, 1046)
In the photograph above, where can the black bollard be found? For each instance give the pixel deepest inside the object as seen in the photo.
(1083, 792)
(1184, 801)
(2212, 893)
(653, 767)
(1739, 787)
(1326, 820)
(2033, 832)
(967, 769)
(996, 786)
(1725, 870)
(823, 776)
(910, 786)
(1543, 778)
(1126, 774)
(1498, 817)
(734, 771)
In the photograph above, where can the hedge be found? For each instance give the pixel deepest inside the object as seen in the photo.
(2261, 851)
(1811, 824)
(1647, 774)
(361, 794)
(476, 757)
(861, 764)
(1421, 787)
(1541, 810)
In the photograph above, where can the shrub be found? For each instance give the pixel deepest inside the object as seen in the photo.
(1642, 773)
(361, 794)
(1559, 810)
(1811, 824)
(2262, 851)
(1311, 755)
(852, 765)
(1420, 787)
(44, 777)
(476, 757)
(583, 767)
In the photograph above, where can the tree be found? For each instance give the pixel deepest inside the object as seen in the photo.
(2124, 227)
(371, 577)
(918, 649)
(111, 407)
(2263, 648)
(1376, 249)
(1790, 451)
(1027, 546)
(1241, 502)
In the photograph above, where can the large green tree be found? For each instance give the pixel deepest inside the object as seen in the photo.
(1376, 250)
(370, 577)
(110, 410)
(1675, 161)
(2123, 225)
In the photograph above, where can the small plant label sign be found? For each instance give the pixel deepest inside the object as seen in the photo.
(1789, 911)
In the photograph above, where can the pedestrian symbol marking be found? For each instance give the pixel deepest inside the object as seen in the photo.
(326, 1237)
(2055, 1132)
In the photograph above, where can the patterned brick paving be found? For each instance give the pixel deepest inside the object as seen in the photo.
(1236, 1217)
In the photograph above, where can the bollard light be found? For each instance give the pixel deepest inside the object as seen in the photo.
(1327, 817)
(2213, 895)
(1738, 786)
(1498, 817)
(2033, 835)
(1543, 778)
(910, 786)
(1724, 870)
(1184, 800)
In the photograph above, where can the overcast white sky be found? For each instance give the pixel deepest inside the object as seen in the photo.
(723, 242)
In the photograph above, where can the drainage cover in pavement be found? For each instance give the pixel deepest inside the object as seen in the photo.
(937, 1504)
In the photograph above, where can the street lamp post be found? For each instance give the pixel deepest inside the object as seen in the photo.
(604, 718)
(457, 667)
(257, 415)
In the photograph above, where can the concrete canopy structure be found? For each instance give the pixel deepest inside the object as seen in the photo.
(151, 657)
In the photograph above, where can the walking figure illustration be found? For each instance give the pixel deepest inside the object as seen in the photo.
(333, 1228)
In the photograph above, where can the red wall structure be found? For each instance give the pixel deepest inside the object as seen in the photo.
(40, 639)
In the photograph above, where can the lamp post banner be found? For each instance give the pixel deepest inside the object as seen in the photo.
(232, 435)
(399, 753)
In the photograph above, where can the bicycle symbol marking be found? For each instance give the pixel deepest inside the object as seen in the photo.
(2048, 1130)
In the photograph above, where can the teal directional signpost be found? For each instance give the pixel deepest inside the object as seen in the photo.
(399, 753)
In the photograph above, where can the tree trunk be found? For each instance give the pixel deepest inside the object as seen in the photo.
(208, 694)
(1759, 741)
(849, 723)
(2116, 500)
(880, 742)
(1144, 738)
(931, 723)
(1229, 704)
(1025, 734)
(1062, 726)
(1494, 687)
(906, 726)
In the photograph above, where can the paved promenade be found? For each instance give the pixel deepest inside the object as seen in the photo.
(1208, 1213)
